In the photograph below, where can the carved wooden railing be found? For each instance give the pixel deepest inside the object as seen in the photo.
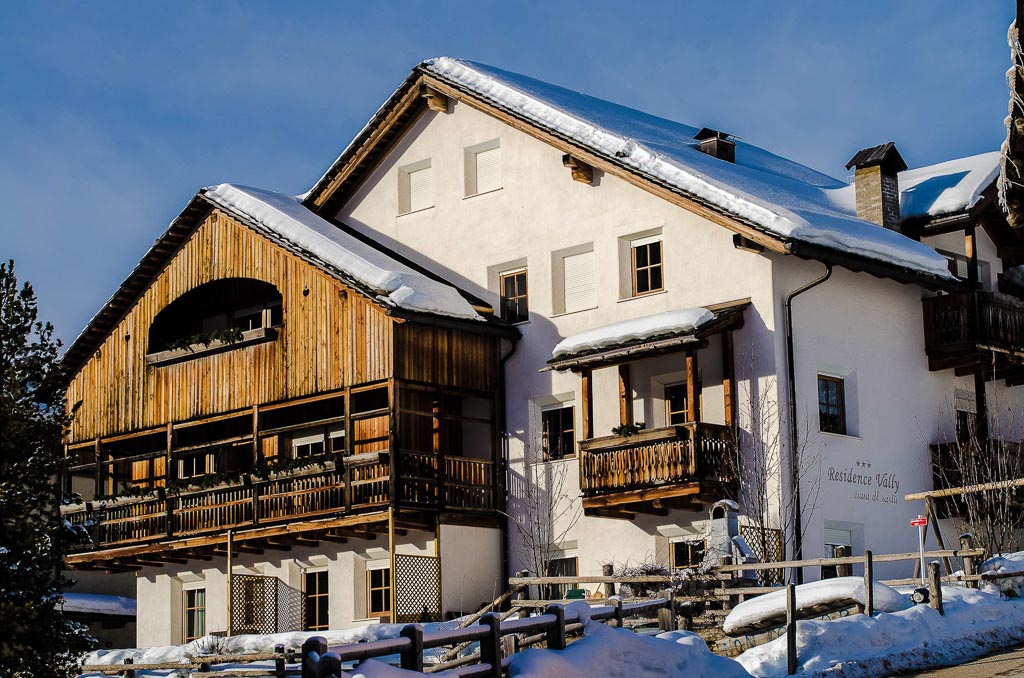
(949, 321)
(362, 484)
(674, 454)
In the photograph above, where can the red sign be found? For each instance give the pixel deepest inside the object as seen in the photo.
(918, 522)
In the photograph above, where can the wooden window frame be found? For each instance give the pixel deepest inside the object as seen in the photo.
(648, 268)
(186, 610)
(668, 404)
(690, 544)
(520, 294)
(312, 610)
(546, 436)
(840, 404)
(386, 589)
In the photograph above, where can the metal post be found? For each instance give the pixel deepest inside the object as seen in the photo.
(791, 660)
(920, 539)
(231, 588)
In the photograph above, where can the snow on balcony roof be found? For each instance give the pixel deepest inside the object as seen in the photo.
(947, 187)
(780, 196)
(97, 603)
(396, 283)
(680, 321)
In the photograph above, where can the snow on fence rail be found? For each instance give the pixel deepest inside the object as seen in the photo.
(498, 641)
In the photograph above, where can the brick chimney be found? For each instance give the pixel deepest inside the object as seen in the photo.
(717, 144)
(878, 190)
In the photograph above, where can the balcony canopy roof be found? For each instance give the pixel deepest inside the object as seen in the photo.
(647, 336)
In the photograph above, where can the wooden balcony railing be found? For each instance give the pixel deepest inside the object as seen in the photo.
(950, 325)
(468, 484)
(674, 454)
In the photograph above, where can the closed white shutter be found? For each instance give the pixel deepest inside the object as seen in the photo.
(580, 284)
(837, 537)
(421, 189)
(488, 170)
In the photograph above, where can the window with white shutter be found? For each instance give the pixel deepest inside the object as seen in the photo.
(580, 284)
(483, 167)
(415, 187)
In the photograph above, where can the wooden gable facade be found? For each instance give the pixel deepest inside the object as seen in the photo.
(329, 403)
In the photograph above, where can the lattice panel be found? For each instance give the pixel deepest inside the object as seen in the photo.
(264, 605)
(418, 592)
(776, 551)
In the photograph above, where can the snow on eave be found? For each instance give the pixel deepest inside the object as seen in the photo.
(947, 188)
(679, 321)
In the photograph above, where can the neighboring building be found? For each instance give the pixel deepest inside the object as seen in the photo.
(647, 267)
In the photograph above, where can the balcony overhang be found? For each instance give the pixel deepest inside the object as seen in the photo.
(646, 337)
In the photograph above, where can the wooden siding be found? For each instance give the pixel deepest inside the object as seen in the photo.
(446, 357)
(313, 352)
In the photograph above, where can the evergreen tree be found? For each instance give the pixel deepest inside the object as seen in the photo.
(35, 638)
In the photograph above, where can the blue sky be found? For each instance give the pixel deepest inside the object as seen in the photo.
(114, 114)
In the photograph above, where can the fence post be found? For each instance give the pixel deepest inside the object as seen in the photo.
(935, 587)
(412, 656)
(667, 614)
(556, 631)
(727, 600)
(869, 583)
(609, 588)
(967, 544)
(616, 604)
(844, 570)
(312, 649)
(129, 673)
(791, 662)
(490, 647)
(329, 666)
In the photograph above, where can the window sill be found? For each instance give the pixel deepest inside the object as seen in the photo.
(843, 436)
(175, 355)
(581, 310)
(646, 295)
(475, 195)
(422, 209)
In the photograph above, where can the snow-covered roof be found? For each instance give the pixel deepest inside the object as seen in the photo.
(97, 603)
(397, 284)
(679, 321)
(776, 195)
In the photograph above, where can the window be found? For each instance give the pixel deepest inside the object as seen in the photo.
(378, 592)
(195, 465)
(514, 302)
(560, 567)
(957, 265)
(675, 404)
(687, 554)
(647, 265)
(316, 600)
(831, 405)
(579, 285)
(558, 426)
(195, 614)
(835, 539)
(415, 187)
(314, 443)
(483, 167)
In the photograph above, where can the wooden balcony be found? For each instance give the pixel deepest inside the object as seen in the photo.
(654, 470)
(359, 487)
(966, 328)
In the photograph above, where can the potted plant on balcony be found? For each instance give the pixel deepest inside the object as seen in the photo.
(627, 430)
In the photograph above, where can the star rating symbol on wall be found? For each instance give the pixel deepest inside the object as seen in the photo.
(864, 464)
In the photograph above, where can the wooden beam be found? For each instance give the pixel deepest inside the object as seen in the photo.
(729, 380)
(625, 395)
(586, 403)
(692, 387)
(581, 171)
(618, 514)
(647, 495)
(435, 100)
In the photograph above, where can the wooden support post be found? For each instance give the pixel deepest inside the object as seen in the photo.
(791, 659)
(280, 670)
(586, 404)
(99, 468)
(667, 614)
(869, 583)
(625, 395)
(412, 656)
(128, 673)
(391, 557)
(616, 619)
(929, 512)
(729, 380)
(844, 570)
(230, 575)
(556, 631)
(967, 544)
(257, 449)
(490, 647)
(935, 587)
(312, 649)
(692, 386)
(607, 570)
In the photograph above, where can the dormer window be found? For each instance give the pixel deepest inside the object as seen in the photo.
(215, 316)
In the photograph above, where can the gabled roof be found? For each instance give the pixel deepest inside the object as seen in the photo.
(390, 282)
(783, 204)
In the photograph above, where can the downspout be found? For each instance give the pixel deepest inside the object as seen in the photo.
(503, 498)
(798, 540)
